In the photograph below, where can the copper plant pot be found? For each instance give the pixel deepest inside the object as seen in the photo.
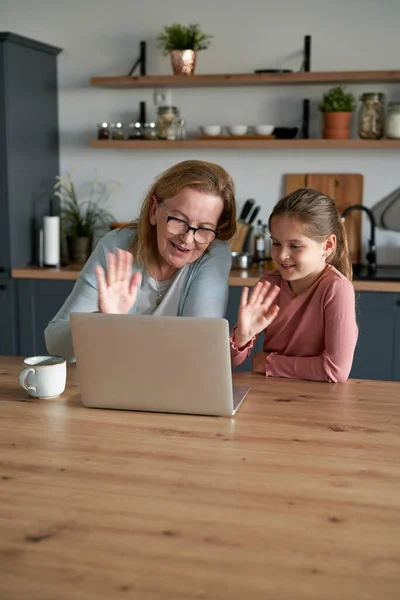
(183, 61)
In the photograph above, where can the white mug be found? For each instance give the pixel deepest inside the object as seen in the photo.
(44, 377)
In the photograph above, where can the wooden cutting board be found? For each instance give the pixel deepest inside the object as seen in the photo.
(344, 189)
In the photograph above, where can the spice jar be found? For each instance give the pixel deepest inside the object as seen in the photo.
(167, 122)
(392, 125)
(117, 131)
(372, 116)
(103, 131)
(149, 131)
(135, 131)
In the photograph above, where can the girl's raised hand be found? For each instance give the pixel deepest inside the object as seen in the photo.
(256, 311)
(118, 287)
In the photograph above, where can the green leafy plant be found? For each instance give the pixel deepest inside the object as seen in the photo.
(81, 218)
(180, 37)
(337, 100)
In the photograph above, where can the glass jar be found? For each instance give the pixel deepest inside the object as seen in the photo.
(167, 122)
(372, 116)
(103, 131)
(392, 125)
(181, 130)
(149, 131)
(117, 131)
(135, 131)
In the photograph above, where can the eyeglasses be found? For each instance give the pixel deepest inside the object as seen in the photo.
(201, 235)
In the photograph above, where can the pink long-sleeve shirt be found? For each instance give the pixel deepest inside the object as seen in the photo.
(315, 333)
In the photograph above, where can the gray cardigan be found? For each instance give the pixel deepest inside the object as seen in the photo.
(204, 293)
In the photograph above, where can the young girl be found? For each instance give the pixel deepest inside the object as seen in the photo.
(306, 307)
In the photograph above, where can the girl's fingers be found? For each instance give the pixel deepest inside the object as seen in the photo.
(111, 268)
(255, 293)
(243, 297)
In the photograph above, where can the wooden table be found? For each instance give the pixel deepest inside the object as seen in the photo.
(297, 497)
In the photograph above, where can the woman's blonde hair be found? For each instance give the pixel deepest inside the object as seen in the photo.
(197, 174)
(318, 214)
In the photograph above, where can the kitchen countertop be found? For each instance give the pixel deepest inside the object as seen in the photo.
(297, 496)
(238, 277)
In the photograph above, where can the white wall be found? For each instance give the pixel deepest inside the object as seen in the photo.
(101, 38)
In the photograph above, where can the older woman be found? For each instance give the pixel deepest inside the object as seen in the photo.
(173, 260)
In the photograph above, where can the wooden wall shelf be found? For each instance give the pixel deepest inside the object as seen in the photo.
(248, 79)
(314, 144)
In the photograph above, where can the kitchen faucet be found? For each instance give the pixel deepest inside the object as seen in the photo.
(371, 254)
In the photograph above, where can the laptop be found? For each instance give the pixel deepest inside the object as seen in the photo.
(155, 363)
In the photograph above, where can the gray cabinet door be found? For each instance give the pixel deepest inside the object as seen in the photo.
(376, 317)
(396, 359)
(8, 318)
(28, 145)
(231, 316)
(38, 301)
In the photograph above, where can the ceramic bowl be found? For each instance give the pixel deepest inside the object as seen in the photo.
(236, 129)
(263, 129)
(210, 129)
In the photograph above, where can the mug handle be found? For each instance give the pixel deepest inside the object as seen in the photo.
(23, 376)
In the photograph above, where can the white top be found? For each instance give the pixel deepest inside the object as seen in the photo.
(161, 297)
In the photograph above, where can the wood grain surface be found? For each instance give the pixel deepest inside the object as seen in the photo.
(296, 497)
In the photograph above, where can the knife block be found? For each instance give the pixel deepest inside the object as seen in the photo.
(237, 243)
(246, 243)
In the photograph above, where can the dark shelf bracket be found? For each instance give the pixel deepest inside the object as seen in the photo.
(307, 53)
(141, 61)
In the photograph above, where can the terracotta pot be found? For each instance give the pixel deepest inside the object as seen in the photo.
(79, 249)
(336, 125)
(336, 134)
(183, 61)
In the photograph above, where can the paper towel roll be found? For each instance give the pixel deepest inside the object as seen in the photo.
(51, 241)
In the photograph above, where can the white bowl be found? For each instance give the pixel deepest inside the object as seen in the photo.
(236, 129)
(263, 129)
(210, 129)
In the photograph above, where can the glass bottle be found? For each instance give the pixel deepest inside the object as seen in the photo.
(167, 122)
(259, 244)
(103, 131)
(135, 131)
(392, 125)
(181, 133)
(117, 132)
(372, 116)
(149, 131)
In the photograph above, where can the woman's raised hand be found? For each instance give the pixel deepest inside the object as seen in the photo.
(256, 311)
(118, 287)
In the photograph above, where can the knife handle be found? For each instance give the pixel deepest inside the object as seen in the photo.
(246, 209)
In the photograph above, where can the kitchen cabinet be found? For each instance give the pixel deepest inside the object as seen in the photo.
(38, 301)
(246, 79)
(377, 354)
(29, 157)
(8, 318)
(28, 161)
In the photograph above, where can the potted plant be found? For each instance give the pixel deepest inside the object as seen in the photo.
(81, 218)
(182, 43)
(336, 107)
